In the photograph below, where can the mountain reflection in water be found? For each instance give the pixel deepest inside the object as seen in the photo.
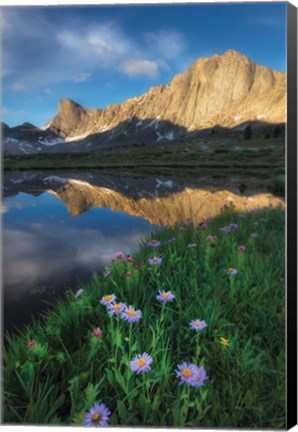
(46, 249)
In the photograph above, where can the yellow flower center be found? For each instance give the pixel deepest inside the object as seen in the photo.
(198, 323)
(117, 307)
(230, 269)
(153, 241)
(165, 295)
(108, 298)
(141, 362)
(186, 373)
(154, 259)
(96, 417)
(131, 312)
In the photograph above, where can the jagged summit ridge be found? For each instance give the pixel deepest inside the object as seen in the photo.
(225, 90)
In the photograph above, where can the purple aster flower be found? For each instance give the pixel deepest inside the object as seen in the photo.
(199, 377)
(131, 315)
(197, 325)
(203, 226)
(79, 292)
(191, 374)
(98, 415)
(108, 299)
(154, 243)
(119, 255)
(141, 363)
(254, 235)
(165, 296)
(233, 225)
(231, 271)
(155, 260)
(170, 241)
(115, 308)
(225, 229)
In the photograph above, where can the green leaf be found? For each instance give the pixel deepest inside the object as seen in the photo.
(143, 402)
(122, 411)
(155, 403)
(249, 398)
(120, 380)
(27, 372)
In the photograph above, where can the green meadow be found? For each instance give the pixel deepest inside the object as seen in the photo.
(79, 354)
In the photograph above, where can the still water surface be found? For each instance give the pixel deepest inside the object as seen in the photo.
(59, 228)
(47, 250)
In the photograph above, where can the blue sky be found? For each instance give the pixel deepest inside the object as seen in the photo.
(97, 55)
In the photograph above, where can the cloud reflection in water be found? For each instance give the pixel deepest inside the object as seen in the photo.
(46, 250)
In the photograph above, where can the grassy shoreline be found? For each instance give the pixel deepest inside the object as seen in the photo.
(66, 370)
(209, 153)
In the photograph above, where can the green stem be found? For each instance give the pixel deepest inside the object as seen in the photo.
(129, 354)
(65, 349)
(145, 388)
(117, 333)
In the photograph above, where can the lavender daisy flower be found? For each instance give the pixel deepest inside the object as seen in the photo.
(165, 296)
(115, 308)
(197, 325)
(98, 415)
(233, 225)
(254, 235)
(131, 315)
(167, 242)
(155, 260)
(225, 229)
(191, 374)
(79, 292)
(154, 243)
(231, 271)
(192, 245)
(106, 300)
(141, 363)
(199, 378)
(186, 372)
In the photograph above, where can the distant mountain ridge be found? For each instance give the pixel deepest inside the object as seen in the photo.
(224, 90)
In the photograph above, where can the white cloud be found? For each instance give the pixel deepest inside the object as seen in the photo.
(82, 76)
(4, 111)
(39, 52)
(168, 44)
(140, 67)
(18, 86)
(102, 46)
(8, 112)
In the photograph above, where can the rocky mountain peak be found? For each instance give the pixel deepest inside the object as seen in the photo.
(226, 90)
